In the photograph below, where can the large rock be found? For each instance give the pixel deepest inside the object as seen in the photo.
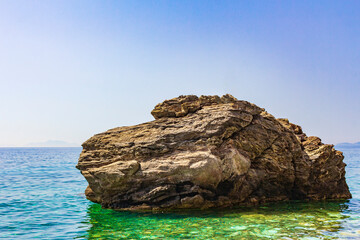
(205, 152)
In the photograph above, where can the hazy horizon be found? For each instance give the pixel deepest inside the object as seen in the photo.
(71, 69)
(64, 144)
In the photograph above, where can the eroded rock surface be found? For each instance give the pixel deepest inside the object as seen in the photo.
(206, 152)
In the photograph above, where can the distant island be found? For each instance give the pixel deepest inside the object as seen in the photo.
(52, 143)
(348, 145)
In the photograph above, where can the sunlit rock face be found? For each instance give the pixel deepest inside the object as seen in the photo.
(209, 152)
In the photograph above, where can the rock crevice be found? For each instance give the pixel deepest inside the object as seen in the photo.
(209, 152)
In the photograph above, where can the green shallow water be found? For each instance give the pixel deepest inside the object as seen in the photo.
(41, 197)
(279, 221)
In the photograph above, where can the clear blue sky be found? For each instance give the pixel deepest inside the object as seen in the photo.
(70, 69)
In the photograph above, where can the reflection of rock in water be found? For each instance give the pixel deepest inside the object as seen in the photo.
(209, 152)
(292, 220)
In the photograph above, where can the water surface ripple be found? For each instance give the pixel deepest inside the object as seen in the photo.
(41, 197)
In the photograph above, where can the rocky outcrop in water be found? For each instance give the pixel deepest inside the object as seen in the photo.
(209, 152)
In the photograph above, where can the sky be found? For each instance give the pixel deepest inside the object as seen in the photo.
(71, 69)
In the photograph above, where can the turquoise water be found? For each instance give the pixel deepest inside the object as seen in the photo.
(41, 197)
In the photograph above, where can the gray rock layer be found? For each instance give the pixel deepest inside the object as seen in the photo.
(209, 152)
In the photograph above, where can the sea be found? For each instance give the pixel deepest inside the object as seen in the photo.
(42, 197)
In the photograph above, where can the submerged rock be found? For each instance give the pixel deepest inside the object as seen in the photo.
(209, 152)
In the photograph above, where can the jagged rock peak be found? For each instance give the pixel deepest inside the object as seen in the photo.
(184, 104)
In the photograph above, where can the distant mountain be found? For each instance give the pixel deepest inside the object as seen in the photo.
(348, 145)
(53, 143)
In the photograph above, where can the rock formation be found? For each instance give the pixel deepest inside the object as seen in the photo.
(209, 152)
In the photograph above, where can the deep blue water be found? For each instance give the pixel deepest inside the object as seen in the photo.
(41, 197)
(41, 193)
